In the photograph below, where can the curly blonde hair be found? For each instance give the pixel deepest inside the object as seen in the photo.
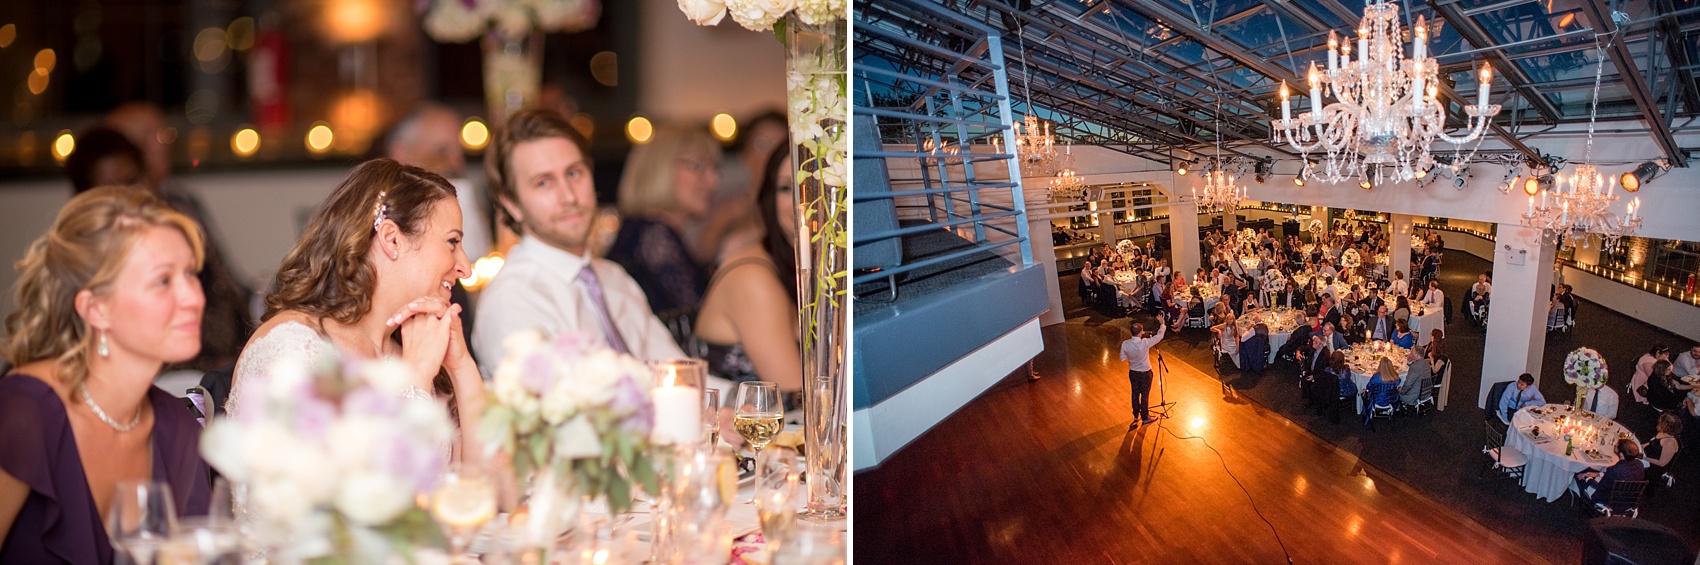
(83, 250)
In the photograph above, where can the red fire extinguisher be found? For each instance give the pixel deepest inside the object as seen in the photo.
(268, 77)
(1690, 284)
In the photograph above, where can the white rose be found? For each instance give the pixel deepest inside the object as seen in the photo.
(520, 344)
(817, 12)
(388, 375)
(357, 438)
(559, 401)
(450, 21)
(280, 503)
(703, 12)
(372, 499)
(577, 440)
(221, 446)
(758, 15)
(286, 377)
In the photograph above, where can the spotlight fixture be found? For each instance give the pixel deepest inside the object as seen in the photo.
(1460, 176)
(1422, 173)
(1262, 169)
(1180, 167)
(1303, 176)
(1643, 174)
(1365, 184)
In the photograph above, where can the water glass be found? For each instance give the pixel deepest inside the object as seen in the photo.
(711, 416)
(464, 500)
(778, 475)
(142, 519)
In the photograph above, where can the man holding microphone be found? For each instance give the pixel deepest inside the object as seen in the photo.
(1137, 352)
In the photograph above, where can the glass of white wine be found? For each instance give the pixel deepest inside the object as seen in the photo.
(463, 501)
(760, 415)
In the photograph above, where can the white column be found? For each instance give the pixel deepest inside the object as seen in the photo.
(1399, 257)
(1516, 336)
(1230, 220)
(1107, 225)
(1045, 256)
(1183, 234)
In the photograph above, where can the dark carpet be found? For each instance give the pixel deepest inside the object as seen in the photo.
(1440, 453)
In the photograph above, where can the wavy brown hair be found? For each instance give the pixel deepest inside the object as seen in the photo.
(84, 249)
(525, 125)
(329, 273)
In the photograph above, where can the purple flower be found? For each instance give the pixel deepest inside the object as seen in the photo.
(536, 373)
(313, 416)
(631, 399)
(370, 402)
(573, 345)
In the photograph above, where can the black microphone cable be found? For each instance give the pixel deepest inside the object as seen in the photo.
(1236, 479)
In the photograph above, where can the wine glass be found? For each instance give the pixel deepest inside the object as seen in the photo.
(141, 519)
(711, 416)
(463, 501)
(759, 413)
(213, 538)
(777, 477)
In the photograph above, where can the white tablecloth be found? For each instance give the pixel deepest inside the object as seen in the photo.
(1549, 471)
(1363, 372)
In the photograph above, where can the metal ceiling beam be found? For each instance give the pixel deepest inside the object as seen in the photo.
(1678, 50)
(1644, 99)
(1184, 24)
(1479, 39)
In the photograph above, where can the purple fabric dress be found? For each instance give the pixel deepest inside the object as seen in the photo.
(59, 522)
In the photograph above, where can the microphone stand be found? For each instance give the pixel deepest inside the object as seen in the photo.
(1163, 404)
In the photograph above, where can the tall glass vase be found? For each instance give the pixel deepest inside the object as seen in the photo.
(819, 112)
(513, 71)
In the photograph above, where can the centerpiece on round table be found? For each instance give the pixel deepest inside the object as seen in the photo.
(1586, 369)
(512, 38)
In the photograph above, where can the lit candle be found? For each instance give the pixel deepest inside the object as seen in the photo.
(1286, 105)
(1419, 43)
(1363, 46)
(1531, 206)
(1333, 51)
(678, 402)
(1316, 93)
(1482, 89)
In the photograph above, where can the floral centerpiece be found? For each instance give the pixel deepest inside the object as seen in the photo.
(817, 87)
(1586, 369)
(575, 416)
(513, 41)
(1124, 246)
(331, 458)
(1349, 259)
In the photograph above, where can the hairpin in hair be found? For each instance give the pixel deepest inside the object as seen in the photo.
(380, 211)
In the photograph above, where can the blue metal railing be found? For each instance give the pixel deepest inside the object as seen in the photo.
(937, 131)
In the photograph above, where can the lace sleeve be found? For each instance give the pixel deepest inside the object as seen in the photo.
(287, 340)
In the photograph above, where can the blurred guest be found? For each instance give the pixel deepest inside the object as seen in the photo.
(104, 157)
(732, 204)
(106, 298)
(1661, 450)
(666, 185)
(228, 320)
(748, 321)
(539, 170)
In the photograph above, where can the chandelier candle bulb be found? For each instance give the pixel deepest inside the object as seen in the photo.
(1333, 51)
(1363, 46)
(1482, 89)
(1419, 45)
(1286, 105)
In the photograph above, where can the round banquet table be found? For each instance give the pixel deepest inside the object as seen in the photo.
(1205, 291)
(1365, 358)
(1129, 284)
(1422, 319)
(1281, 322)
(1549, 471)
(1249, 263)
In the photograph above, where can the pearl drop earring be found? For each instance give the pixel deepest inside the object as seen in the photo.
(102, 349)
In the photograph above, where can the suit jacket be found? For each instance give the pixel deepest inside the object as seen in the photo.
(1387, 328)
(1332, 316)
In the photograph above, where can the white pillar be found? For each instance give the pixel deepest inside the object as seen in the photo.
(1516, 330)
(1399, 257)
(1183, 234)
(1230, 221)
(1045, 256)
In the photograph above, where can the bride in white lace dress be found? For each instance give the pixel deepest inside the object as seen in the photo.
(380, 256)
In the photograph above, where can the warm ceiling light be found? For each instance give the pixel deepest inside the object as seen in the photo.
(724, 126)
(355, 21)
(245, 142)
(1532, 186)
(639, 130)
(63, 145)
(8, 33)
(1299, 180)
(474, 135)
(1643, 174)
(319, 138)
(1568, 19)
(1181, 169)
(1365, 184)
(1421, 173)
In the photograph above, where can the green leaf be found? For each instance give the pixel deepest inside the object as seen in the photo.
(779, 32)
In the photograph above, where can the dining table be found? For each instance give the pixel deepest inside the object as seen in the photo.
(1280, 321)
(1423, 317)
(1364, 360)
(1541, 433)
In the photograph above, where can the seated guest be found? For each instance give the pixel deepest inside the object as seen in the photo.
(1666, 392)
(1398, 287)
(1327, 313)
(1312, 361)
(1522, 395)
(1643, 369)
(1342, 379)
(664, 191)
(1401, 309)
(1380, 327)
(1228, 335)
(1661, 450)
(1299, 338)
(1404, 337)
(540, 170)
(1418, 376)
(1479, 294)
(1686, 363)
(748, 321)
(1602, 401)
(1332, 340)
(1383, 389)
(105, 298)
(1434, 298)
(104, 157)
(1254, 349)
(1596, 485)
(1436, 346)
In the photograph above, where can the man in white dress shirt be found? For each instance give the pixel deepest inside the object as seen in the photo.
(1602, 401)
(1435, 298)
(540, 174)
(1687, 363)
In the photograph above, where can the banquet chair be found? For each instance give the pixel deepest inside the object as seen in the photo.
(1490, 411)
(1382, 400)
(1624, 500)
(1441, 373)
(1197, 317)
(1504, 461)
(1562, 319)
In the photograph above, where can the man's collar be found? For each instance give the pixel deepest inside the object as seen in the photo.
(550, 255)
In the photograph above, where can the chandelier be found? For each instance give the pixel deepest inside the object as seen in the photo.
(1583, 210)
(1386, 114)
(1036, 148)
(1068, 187)
(1220, 191)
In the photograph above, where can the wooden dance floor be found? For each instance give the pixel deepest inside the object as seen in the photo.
(1047, 472)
